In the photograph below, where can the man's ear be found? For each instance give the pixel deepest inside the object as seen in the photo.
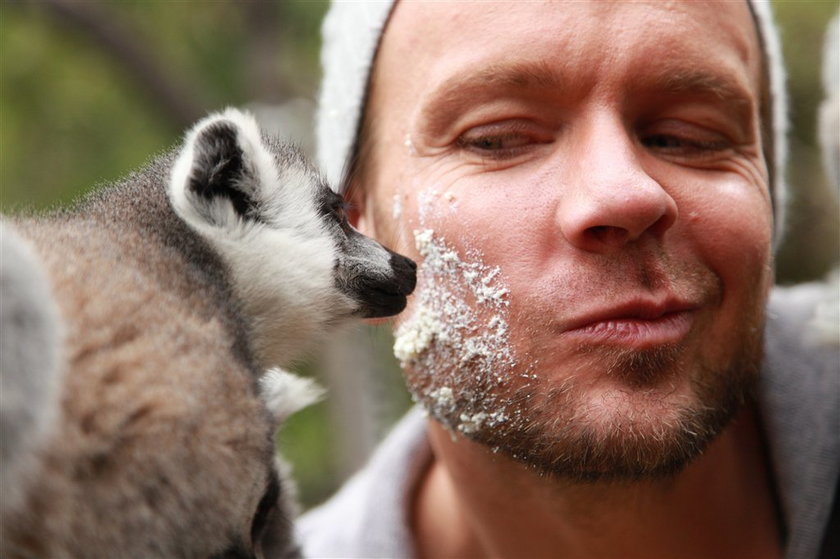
(357, 212)
(370, 216)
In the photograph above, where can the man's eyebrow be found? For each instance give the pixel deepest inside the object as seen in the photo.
(519, 75)
(706, 85)
(697, 82)
(463, 89)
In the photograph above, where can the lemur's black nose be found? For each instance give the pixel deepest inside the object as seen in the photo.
(385, 295)
(405, 270)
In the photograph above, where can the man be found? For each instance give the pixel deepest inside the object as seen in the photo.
(589, 189)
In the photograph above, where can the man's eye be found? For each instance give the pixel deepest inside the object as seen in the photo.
(662, 142)
(493, 143)
(501, 141)
(675, 143)
(679, 138)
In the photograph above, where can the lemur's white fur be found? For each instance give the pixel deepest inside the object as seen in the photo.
(285, 393)
(289, 243)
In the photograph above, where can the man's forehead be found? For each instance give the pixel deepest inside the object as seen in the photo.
(527, 44)
(432, 29)
(425, 16)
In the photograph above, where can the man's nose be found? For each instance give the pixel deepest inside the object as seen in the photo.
(608, 199)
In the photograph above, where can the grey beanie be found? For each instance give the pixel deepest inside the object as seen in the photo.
(351, 32)
(829, 113)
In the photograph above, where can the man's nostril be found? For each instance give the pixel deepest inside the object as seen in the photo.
(609, 236)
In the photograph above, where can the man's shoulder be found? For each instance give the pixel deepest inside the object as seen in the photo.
(812, 309)
(368, 517)
(799, 395)
(800, 378)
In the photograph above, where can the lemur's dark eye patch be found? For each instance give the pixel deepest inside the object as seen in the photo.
(334, 206)
(340, 211)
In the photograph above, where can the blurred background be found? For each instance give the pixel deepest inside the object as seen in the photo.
(90, 90)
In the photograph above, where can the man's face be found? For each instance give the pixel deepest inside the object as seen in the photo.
(584, 187)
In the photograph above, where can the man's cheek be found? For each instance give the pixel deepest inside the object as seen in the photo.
(461, 305)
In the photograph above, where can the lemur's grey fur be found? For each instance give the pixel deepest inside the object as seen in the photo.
(173, 292)
(30, 340)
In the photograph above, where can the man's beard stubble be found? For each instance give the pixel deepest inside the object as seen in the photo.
(553, 430)
(631, 446)
(498, 397)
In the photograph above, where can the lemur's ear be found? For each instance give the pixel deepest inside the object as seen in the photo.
(219, 168)
(222, 172)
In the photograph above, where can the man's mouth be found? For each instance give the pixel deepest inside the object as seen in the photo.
(636, 324)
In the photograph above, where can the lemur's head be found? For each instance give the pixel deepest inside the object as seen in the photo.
(298, 266)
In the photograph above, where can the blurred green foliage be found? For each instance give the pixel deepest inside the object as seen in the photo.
(309, 440)
(72, 114)
(813, 244)
(75, 112)
(305, 442)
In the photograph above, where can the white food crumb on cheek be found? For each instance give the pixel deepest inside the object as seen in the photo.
(427, 204)
(423, 241)
(409, 145)
(396, 207)
(456, 336)
(443, 397)
(424, 327)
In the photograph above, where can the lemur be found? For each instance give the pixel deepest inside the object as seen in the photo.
(144, 333)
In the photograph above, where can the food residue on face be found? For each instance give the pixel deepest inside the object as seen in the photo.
(455, 341)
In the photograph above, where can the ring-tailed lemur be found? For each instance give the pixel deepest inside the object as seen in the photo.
(137, 416)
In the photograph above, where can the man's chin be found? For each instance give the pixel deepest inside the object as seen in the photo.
(614, 446)
(630, 428)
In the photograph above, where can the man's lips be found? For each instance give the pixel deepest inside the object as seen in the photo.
(637, 324)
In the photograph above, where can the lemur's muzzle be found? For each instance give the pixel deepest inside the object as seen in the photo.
(382, 295)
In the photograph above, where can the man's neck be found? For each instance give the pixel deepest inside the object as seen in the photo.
(472, 503)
